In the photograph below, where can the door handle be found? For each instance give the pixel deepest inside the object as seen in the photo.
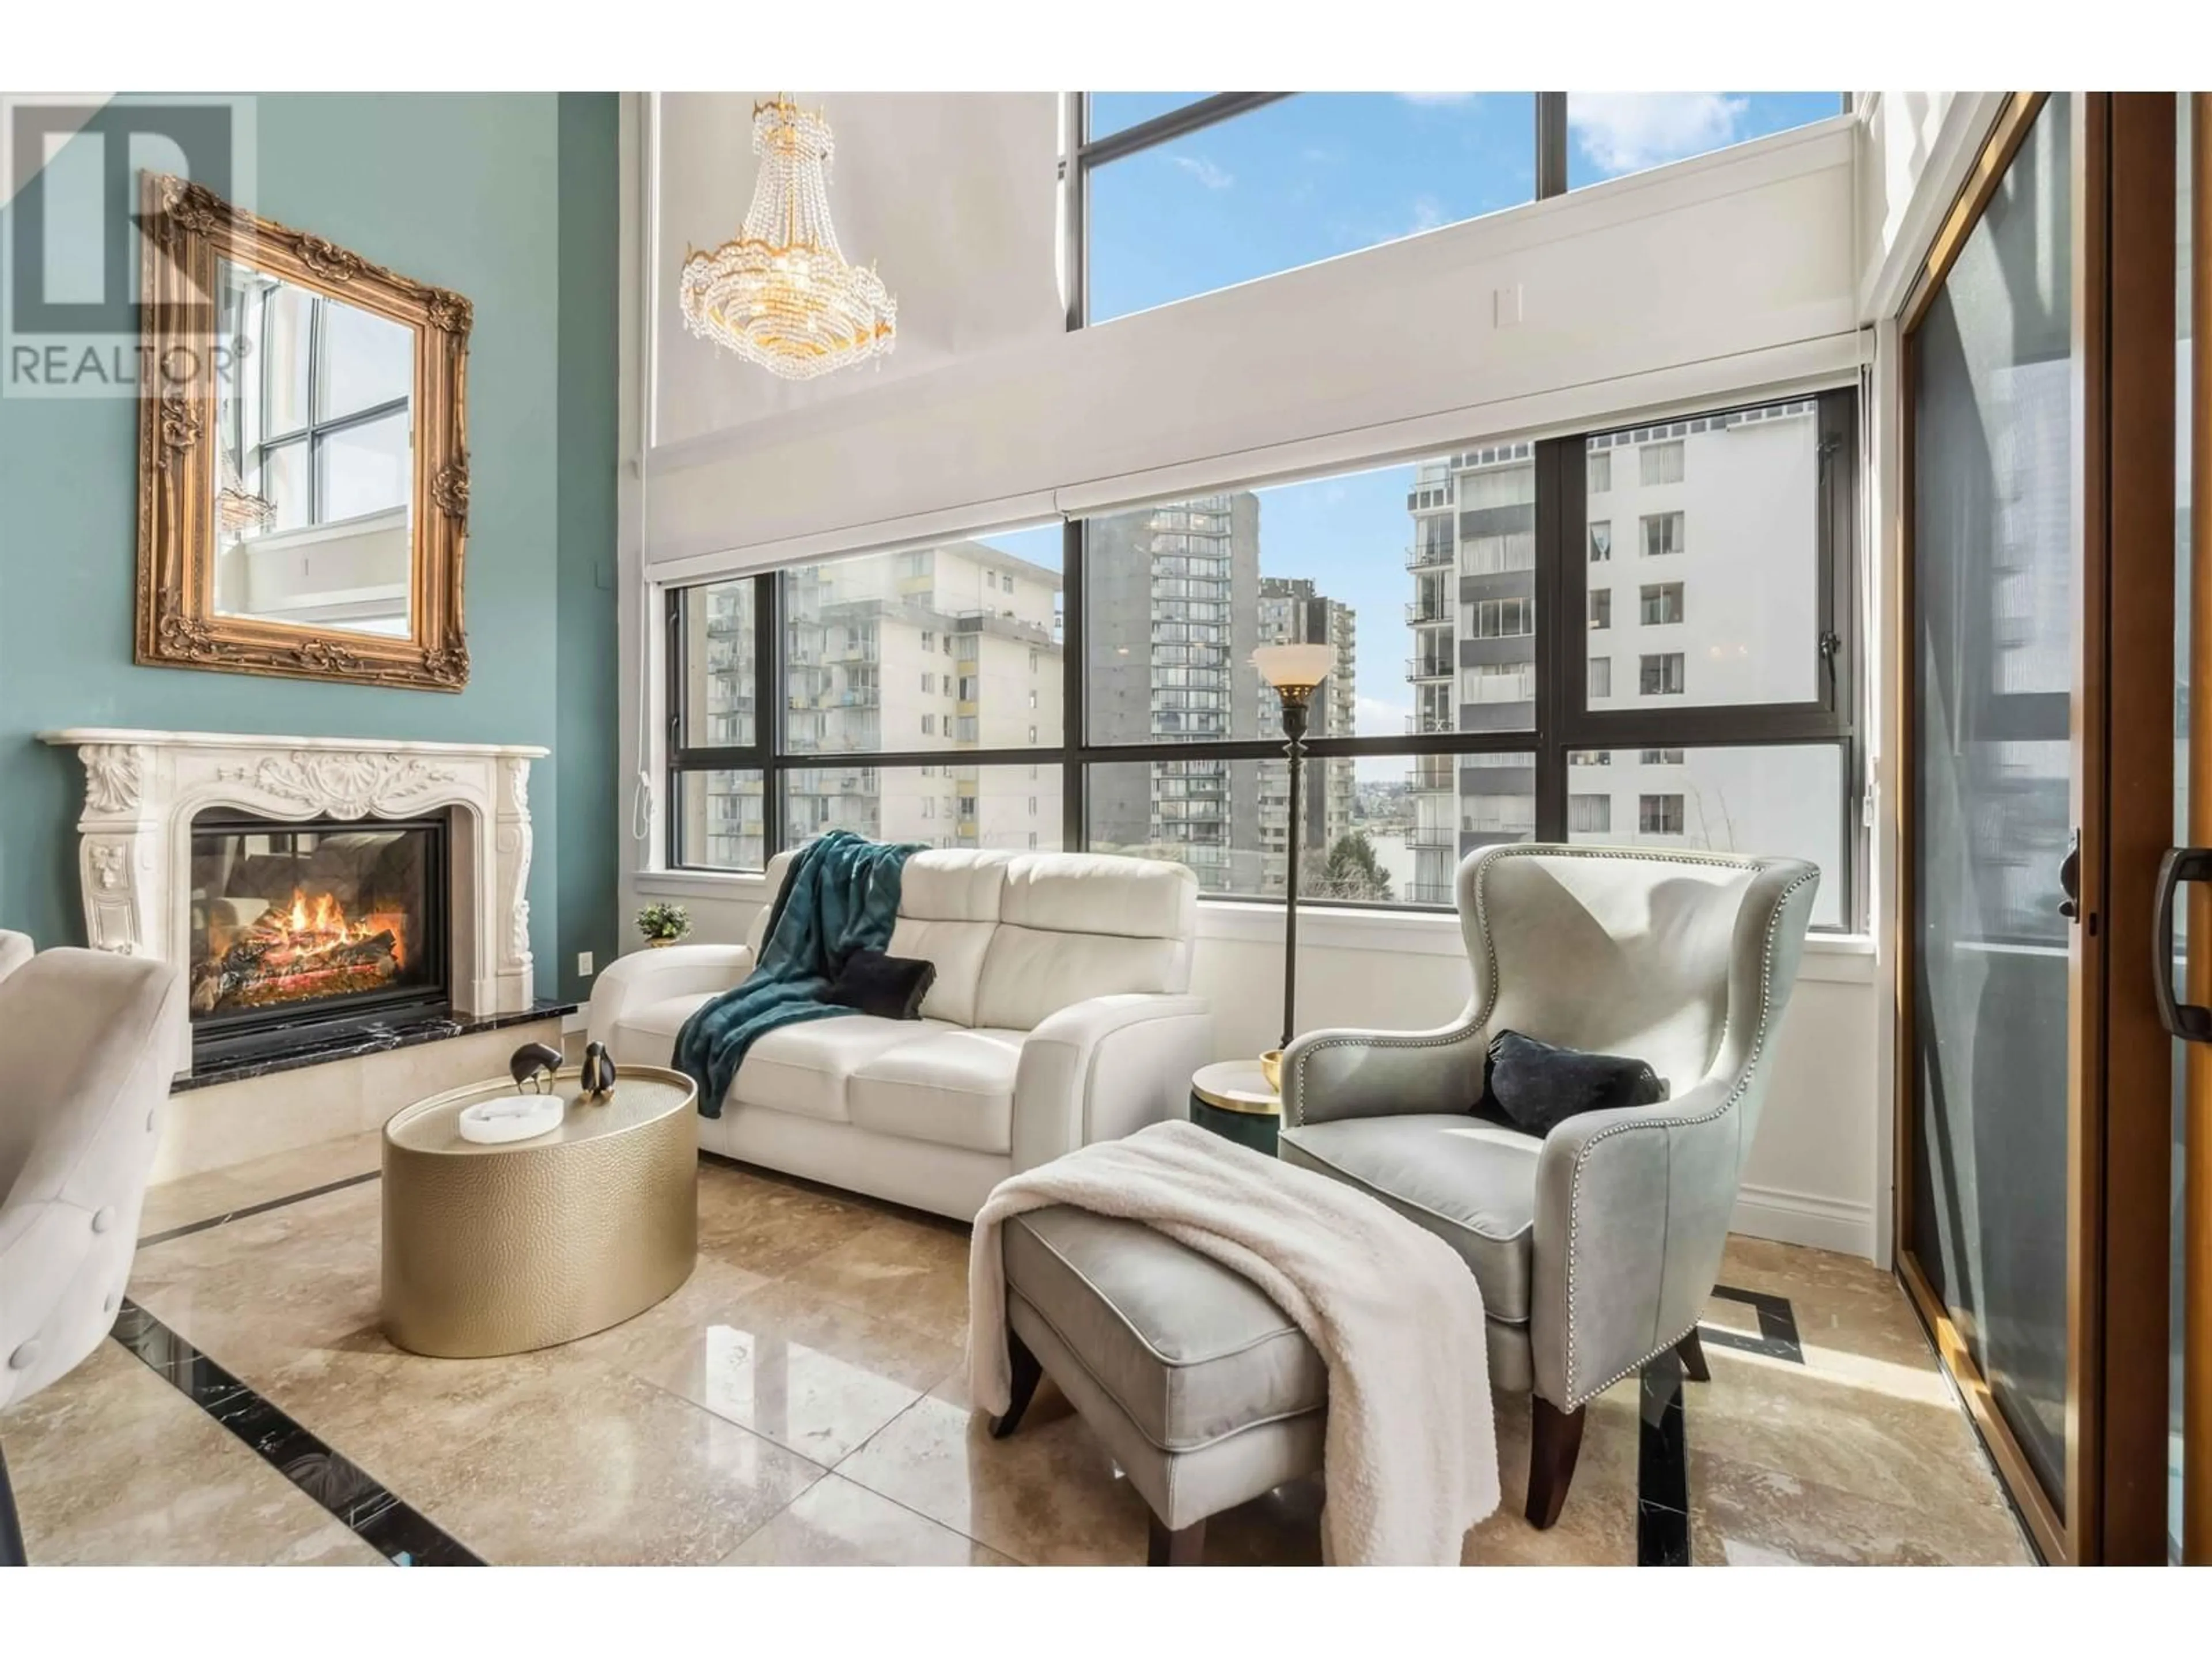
(2190, 1021)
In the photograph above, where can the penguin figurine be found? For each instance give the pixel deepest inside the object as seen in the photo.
(599, 1078)
(534, 1064)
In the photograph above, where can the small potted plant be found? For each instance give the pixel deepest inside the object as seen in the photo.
(664, 924)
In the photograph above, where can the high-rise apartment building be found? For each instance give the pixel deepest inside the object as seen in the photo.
(1171, 608)
(1293, 612)
(946, 649)
(1472, 621)
(1702, 567)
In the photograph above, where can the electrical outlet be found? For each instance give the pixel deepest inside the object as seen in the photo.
(583, 963)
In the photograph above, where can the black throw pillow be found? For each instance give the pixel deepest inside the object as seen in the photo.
(890, 987)
(1536, 1086)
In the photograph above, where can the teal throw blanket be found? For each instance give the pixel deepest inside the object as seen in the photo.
(843, 895)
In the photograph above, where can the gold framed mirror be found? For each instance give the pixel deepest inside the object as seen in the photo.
(303, 472)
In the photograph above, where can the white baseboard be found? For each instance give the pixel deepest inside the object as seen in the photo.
(1788, 1218)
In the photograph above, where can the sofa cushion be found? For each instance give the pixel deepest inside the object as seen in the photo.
(953, 884)
(949, 903)
(958, 949)
(1191, 1351)
(1094, 893)
(803, 1069)
(1472, 1184)
(950, 1086)
(645, 1035)
(1031, 973)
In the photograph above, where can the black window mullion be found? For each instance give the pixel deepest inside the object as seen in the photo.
(1074, 701)
(672, 794)
(1839, 552)
(771, 700)
(1175, 124)
(1562, 602)
(1839, 539)
(1550, 144)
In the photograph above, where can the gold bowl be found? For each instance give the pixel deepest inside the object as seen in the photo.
(1271, 1067)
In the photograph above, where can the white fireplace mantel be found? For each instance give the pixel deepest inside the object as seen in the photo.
(142, 789)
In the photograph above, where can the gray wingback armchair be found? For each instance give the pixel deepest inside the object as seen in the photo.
(1595, 1247)
(87, 1045)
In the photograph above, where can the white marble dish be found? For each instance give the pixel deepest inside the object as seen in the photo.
(512, 1117)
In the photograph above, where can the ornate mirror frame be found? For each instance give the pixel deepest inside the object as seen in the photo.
(188, 231)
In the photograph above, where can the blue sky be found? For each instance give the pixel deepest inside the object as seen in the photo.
(1321, 174)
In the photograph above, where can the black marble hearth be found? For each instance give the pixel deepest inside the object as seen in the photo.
(369, 1038)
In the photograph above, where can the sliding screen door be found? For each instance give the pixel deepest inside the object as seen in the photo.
(2048, 731)
(1995, 599)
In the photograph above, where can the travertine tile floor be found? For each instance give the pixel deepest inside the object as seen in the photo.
(801, 1401)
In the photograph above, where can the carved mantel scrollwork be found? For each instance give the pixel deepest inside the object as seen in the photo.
(114, 777)
(349, 786)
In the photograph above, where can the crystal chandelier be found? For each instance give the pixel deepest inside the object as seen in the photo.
(781, 293)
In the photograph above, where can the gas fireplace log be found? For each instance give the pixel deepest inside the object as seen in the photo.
(365, 950)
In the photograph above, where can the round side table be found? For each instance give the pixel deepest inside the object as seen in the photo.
(1233, 1100)
(493, 1249)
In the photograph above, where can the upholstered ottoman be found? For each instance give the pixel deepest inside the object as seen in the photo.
(1204, 1392)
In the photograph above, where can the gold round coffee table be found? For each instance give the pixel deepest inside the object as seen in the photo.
(492, 1249)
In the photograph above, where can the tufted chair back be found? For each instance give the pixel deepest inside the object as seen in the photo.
(86, 1050)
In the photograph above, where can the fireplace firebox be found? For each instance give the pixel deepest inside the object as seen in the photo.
(302, 930)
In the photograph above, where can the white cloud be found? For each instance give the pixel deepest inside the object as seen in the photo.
(1204, 172)
(1428, 213)
(1626, 131)
(1435, 97)
(1373, 717)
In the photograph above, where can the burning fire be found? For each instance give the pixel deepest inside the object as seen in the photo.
(317, 927)
(309, 949)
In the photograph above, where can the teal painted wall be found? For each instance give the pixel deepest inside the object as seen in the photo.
(466, 191)
(588, 798)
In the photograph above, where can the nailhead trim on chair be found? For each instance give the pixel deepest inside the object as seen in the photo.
(1480, 1017)
(1576, 1398)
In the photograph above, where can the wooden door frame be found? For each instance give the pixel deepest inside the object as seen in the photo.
(2122, 729)
(2196, 1293)
(2133, 1298)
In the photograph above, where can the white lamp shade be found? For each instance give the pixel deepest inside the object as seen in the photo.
(1294, 667)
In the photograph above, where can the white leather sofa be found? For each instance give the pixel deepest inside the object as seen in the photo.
(1060, 1015)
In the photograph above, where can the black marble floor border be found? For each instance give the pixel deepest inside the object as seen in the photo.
(1777, 1327)
(407, 1538)
(395, 1530)
(1662, 1452)
(262, 1208)
(1663, 1468)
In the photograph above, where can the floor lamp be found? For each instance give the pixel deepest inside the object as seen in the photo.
(1296, 672)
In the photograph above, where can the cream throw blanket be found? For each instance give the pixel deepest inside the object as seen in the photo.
(1411, 1451)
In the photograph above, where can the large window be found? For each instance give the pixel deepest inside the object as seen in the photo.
(920, 701)
(1091, 684)
(1185, 195)
(1179, 194)
(1613, 133)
